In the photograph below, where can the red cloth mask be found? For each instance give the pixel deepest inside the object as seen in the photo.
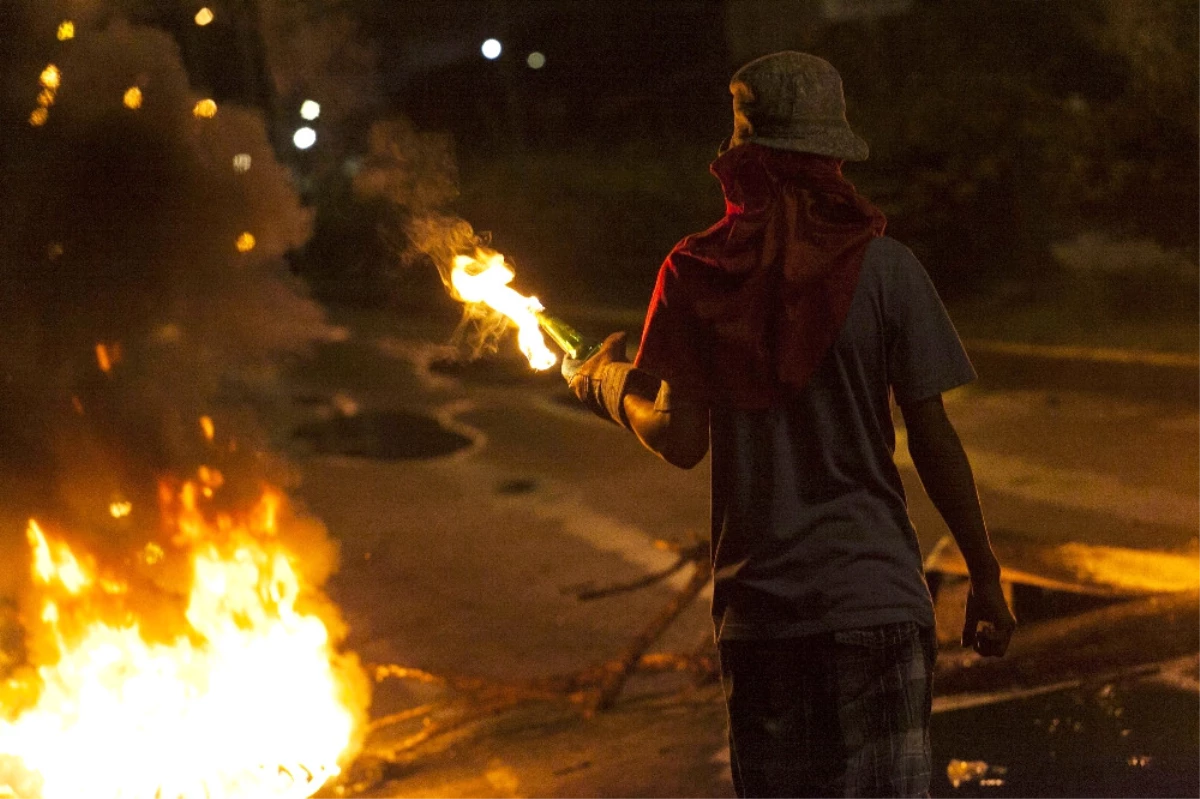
(771, 284)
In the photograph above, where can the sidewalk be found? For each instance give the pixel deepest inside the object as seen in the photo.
(1172, 378)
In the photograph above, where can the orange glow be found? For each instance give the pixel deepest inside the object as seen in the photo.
(51, 77)
(66, 30)
(204, 16)
(107, 356)
(132, 98)
(55, 562)
(205, 109)
(483, 278)
(119, 509)
(1139, 571)
(206, 426)
(246, 698)
(39, 117)
(45, 98)
(245, 242)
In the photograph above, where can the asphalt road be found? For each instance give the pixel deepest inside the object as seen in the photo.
(470, 500)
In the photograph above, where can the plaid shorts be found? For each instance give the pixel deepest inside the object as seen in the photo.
(837, 714)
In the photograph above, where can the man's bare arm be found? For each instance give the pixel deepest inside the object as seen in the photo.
(674, 429)
(668, 425)
(945, 472)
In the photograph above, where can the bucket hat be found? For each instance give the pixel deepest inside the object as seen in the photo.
(793, 101)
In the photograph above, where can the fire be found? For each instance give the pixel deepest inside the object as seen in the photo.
(51, 77)
(107, 356)
(484, 278)
(246, 696)
(205, 109)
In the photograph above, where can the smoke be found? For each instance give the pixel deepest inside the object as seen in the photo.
(416, 173)
(135, 229)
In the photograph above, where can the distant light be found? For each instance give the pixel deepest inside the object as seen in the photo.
(133, 97)
(304, 138)
(105, 357)
(46, 98)
(66, 30)
(491, 49)
(205, 109)
(241, 163)
(50, 77)
(310, 110)
(39, 117)
(245, 242)
(204, 16)
(536, 60)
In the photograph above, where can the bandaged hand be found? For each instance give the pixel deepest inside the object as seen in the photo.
(601, 381)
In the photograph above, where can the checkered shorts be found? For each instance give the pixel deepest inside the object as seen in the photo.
(837, 714)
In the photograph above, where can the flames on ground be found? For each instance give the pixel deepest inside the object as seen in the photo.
(233, 689)
(163, 631)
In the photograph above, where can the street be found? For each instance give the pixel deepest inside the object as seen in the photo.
(462, 541)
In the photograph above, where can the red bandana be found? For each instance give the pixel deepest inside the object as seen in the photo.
(772, 282)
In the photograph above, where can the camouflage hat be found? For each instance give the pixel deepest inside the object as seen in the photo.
(793, 101)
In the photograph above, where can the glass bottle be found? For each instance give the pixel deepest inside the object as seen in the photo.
(570, 340)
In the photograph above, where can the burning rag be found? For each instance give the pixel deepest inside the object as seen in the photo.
(744, 312)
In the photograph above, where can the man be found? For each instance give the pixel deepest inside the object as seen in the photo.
(781, 334)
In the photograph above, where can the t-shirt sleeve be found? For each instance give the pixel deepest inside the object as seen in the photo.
(670, 344)
(925, 355)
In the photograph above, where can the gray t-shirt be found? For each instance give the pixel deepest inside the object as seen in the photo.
(810, 528)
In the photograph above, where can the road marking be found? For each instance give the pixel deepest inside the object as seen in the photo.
(631, 543)
(1088, 491)
(422, 355)
(1092, 354)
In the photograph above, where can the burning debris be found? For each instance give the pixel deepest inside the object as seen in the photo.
(235, 689)
(164, 632)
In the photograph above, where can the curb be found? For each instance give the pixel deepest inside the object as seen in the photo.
(1144, 376)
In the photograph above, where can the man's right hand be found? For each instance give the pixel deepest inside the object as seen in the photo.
(989, 623)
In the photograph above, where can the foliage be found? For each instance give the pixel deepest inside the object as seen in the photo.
(999, 129)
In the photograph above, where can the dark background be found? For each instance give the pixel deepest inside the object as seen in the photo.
(1031, 153)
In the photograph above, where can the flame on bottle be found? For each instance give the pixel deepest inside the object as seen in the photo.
(483, 278)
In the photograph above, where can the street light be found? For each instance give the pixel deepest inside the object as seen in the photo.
(536, 60)
(491, 49)
(310, 110)
(304, 138)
